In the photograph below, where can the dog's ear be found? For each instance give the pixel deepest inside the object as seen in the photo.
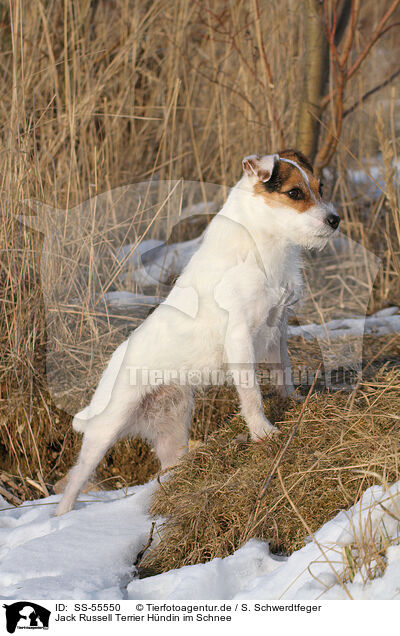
(260, 166)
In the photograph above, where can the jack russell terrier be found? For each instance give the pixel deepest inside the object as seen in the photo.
(227, 310)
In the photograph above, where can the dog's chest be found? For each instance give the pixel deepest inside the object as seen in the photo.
(264, 294)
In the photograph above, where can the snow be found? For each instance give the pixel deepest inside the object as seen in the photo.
(370, 176)
(89, 553)
(381, 323)
(134, 254)
(130, 300)
(218, 579)
(158, 262)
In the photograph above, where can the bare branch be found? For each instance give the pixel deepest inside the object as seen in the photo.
(371, 92)
(348, 43)
(378, 33)
(374, 38)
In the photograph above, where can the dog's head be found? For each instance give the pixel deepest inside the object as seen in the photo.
(289, 198)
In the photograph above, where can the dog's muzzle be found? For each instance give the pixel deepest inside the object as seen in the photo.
(333, 220)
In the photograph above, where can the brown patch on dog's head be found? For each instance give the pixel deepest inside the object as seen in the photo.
(287, 185)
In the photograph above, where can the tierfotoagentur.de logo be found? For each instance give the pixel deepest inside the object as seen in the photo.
(26, 615)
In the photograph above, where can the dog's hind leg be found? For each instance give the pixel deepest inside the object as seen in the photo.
(98, 438)
(100, 432)
(162, 416)
(105, 420)
(167, 419)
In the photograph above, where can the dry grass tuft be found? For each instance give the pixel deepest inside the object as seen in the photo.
(343, 444)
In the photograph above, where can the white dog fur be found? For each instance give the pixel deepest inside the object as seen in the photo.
(224, 312)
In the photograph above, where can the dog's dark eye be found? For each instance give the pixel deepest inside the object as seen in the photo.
(321, 190)
(296, 194)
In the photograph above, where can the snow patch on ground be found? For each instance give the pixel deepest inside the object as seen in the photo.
(218, 579)
(381, 323)
(154, 262)
(89, 553)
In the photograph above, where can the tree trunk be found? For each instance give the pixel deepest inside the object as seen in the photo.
(316, 78)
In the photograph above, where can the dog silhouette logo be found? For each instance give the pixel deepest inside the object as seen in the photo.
(26, 615)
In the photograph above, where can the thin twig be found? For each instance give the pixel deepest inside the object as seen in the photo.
(371, 92)
(148, 544)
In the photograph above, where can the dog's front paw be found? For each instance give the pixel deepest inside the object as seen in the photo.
(297, 396)
(290, 392)
(262, 429)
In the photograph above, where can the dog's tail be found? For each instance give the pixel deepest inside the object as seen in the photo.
(103, 395)
(82, 420)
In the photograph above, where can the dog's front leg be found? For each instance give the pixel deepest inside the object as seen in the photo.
(278, 358)
(253, 411)
(241, 363)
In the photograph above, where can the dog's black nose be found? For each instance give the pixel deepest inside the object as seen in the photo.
(333, 220)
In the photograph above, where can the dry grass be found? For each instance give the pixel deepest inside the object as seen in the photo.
(212, 503)
(96, 95)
